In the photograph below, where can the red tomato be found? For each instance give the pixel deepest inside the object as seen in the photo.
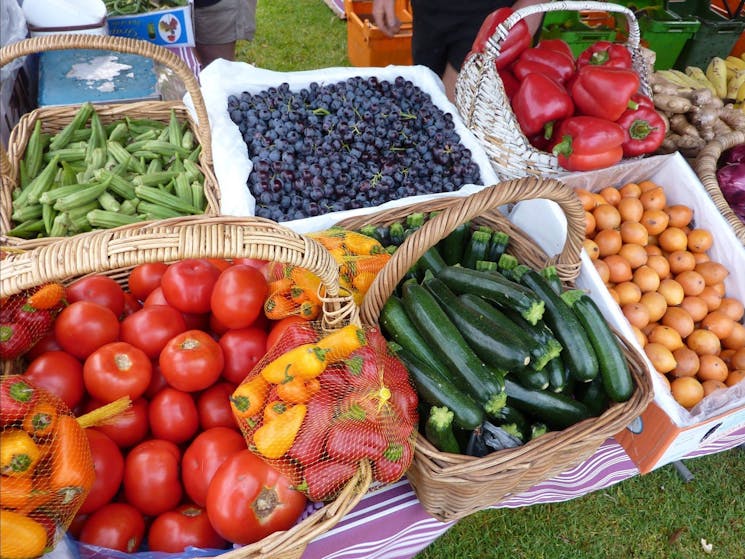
(47, 343)
(156, 297)
(82, 327)
(219, 263)
(281, 326)
(173, 415)
(214, 408)
(116, 370)
(242, 349)
(253, 262)
(76, 526)
(144, 278)
(204, 455)
(129, 427)
(157, 382)
(187, 285)
(238, 485)
(151, 327)
(188, 525)
(217, 327)
(108, 464)
(118, 526)
(238, 296)
(97, 289)
(151, 477)
(191, 361)
(59, 373)
(131, 305)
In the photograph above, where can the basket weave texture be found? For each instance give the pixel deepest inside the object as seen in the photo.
(115, 252)
(705, 166)
(55, 119)
(451, 486)
(485, 108)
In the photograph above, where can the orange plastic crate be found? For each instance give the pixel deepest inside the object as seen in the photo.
(367, 45)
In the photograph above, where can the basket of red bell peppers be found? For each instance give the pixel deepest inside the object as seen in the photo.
(539, 110)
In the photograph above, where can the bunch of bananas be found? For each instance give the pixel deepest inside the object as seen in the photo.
(724, 77)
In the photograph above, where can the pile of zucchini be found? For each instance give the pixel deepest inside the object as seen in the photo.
(92, 175)
(500, 353)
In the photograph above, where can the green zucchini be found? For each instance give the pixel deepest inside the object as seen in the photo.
(396, 233)
(558, 375)
(614, 369)
(495, 346)
(469, 373)
(541, 351)
(439, 430)
(537, 429)
(398, 327)
(495, 287)
(513, 421)
(435, 388)
(430, 260)
(593, 395)
(476, 248)
(553, 279)
(555, 410)
(497, 245)
(452, 246)
(578, 353)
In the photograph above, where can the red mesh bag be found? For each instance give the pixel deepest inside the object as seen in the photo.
(26, 317)
(45, 465)
(317, 404)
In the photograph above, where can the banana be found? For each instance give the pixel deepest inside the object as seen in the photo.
(742, 55)
(679, 78)
(734, 83)
(740, 96)
(699, 76)
(734, 63)
(716, 72)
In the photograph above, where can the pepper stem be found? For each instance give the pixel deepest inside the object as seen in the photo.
(564, 147)
(640, 129)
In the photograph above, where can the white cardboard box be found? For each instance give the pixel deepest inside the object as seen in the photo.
(171, 27)
(666, 431)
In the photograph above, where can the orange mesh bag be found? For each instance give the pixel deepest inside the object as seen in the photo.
(46, 466)
(26, 317)
(320, 402)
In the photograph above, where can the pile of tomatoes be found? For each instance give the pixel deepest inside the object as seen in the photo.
(173, 470)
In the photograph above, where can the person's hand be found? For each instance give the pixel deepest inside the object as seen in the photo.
(384, 14)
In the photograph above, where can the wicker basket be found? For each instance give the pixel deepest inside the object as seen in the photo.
(55, 118)
(115, 252)
(485, 108)
(705, 166)
(451, 486)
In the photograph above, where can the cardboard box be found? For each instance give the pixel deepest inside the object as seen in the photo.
(367, 45)
(666, 431)
(173, 27)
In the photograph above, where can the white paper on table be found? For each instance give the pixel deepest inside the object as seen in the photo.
(223, 78)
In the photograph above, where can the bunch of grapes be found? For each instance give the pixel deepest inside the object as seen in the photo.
(352, 144)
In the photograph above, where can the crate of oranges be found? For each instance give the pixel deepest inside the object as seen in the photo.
(669, 273)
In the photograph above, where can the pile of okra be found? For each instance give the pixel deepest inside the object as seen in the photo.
(92, 175)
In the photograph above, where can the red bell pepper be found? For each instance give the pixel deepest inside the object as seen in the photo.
(324, 479)
(644, 129)
(559, 45)
(642, 100)
(518, 38)
(539, 103)
(605, 53)
(585, 143)
(554, 64)
(604, 92)
(510, 83)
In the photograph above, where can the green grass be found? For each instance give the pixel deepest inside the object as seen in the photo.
(655, 516)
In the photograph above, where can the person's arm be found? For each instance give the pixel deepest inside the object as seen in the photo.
(384, 14)
(533, 21)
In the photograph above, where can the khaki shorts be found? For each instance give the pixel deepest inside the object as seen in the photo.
(225, 22)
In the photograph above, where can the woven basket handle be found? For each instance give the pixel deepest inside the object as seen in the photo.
(176, 239)
(68, 41)
(465, 209)
(494, 43)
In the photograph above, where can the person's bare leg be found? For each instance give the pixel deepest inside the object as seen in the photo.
(449, 77)
(208, 53)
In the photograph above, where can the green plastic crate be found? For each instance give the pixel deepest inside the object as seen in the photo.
(715, 37)
(566, 25)
(666, 33)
